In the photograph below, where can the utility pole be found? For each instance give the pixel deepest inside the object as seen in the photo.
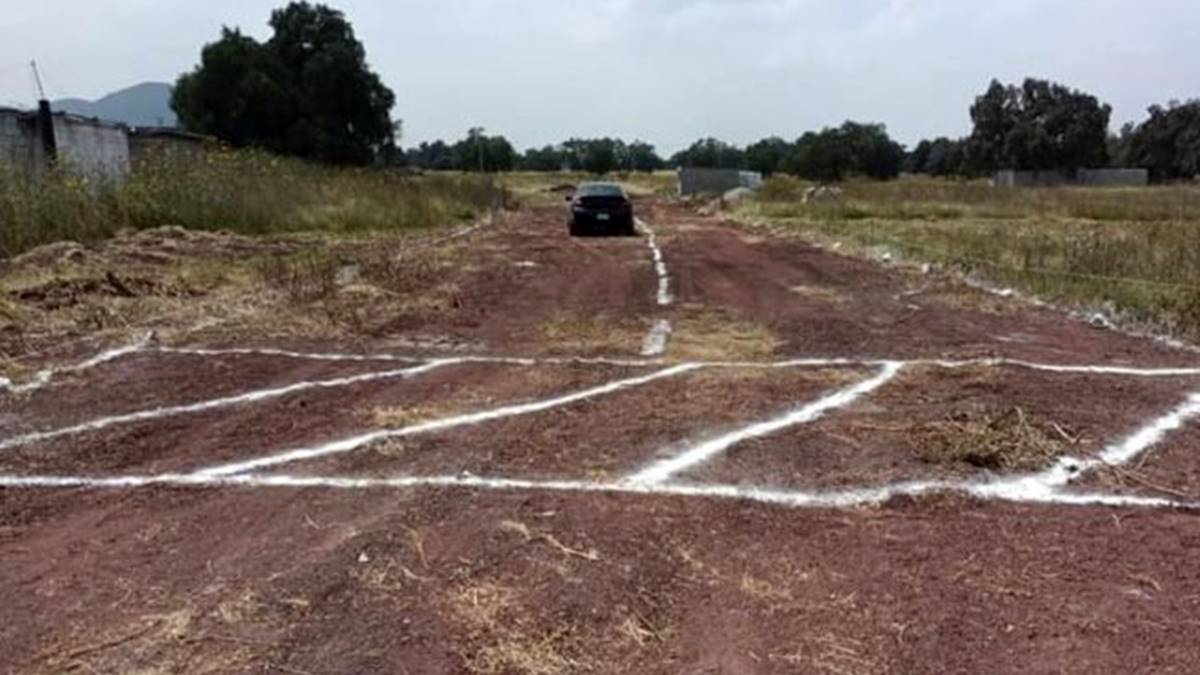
(45, 118)
(37, 79)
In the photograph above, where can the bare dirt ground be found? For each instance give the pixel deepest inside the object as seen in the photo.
(509, 451)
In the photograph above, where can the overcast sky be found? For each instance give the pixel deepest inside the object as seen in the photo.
(666, 71)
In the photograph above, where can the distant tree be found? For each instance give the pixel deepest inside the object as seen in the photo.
(768, 155)
(939, 157)
(597, 155)
(832, 154)
(821, 156)
(1120, 147)
(872, 152)
(480, 152)
(710, 153)
(602, 156)
(548, 158)
(436, 156)
(307, 91)
(1040, 125)
(1168, 143)
(643, 157)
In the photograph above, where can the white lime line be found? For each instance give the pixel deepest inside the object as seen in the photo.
(250, 397)
(1128, 371)
(660, 265)
(285, 353)
(355, 442)
(793, 498)
(661, 471)
(43, 377)
(656, 340)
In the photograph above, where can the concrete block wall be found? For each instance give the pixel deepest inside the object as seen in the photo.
(96, 149)
(695, 181)
(19, 144)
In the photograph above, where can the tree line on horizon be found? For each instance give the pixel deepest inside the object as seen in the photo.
(309, 92)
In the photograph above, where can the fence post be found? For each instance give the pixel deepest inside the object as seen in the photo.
(45, 119)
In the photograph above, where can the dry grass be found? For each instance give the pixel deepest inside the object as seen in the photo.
(529, 655)
(495, 617)
(1134, 253)
(639, 631)
(398, 417)
(715, 336)
(590, 555)
(240, 191)
(764, 589)
(821, 293)
(1006, 441)
(569, 333)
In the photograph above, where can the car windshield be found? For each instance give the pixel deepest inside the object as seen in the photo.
(599, 190)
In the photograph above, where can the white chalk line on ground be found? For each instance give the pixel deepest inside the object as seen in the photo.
(1041, 488)
(661, 471)
(43, 377)
(655, 343)
(239, 399)
(1083, 369)
(660, 265)
(794, 498)
(656, 340)
(355, 442)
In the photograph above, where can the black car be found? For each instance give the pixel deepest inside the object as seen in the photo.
(601, 208)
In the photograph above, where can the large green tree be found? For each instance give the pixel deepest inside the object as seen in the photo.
(1038, 126)
(1168, 143)
(307, 91)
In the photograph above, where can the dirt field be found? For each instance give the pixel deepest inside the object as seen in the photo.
(706, 449)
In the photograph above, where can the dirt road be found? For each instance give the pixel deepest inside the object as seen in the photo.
(707, 449)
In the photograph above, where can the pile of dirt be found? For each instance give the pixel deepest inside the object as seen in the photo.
(63, 293)
(998, 440)
(58, 253)
(163, 245)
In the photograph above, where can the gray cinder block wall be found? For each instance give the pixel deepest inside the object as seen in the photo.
(93, 148)
(694, 181)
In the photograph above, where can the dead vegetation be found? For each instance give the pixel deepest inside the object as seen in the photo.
(496, 620)
(1002, 440)
(569, 333)
(717, 336)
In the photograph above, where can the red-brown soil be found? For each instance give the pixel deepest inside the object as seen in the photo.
(877, 440)
(165, 579)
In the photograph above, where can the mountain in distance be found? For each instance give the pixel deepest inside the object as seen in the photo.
(142, 105)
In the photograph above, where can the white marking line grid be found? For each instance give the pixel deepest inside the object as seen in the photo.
(212, 404)
(660, 472)
(1045, 487)
(355, 442)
